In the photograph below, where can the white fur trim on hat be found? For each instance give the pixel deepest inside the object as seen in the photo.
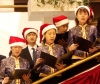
(82, 7)
(17, 44)
(48, 28)
(93, 14)
(30, 30)
(62, 22)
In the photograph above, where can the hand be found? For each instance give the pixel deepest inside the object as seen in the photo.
(91, 50)
(6, 80)
(26, 77)
(39, 60)
(60, 66)
(63, 43)
(73, 47)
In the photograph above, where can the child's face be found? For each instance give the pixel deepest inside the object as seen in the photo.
(16, 50)
(90, 20)
(50, 36)
(31, 37)
(63, 28)
(82, 17)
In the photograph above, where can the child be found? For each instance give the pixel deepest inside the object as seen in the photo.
(14, 61)
(61, 22)
(47, 36)
(86, 31)
(83, 29)
(29, 53)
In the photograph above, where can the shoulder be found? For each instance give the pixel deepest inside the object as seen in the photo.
(73, 28)
(5, 60)
(39, 47)
(24, 51)
(25, 48)
(24, 60)
(93, 26)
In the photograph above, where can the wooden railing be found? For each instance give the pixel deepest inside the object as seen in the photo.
(67, 68)
(13, 6)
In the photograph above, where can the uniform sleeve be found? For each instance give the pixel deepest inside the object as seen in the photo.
(94, 31)
(70, 38)
(28, 65)
(96, 36)
(38, 52)
(2, 70)
(62, 50)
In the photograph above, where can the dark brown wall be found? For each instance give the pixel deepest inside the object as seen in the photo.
(96, 9)
(20, 2)
(95, 4)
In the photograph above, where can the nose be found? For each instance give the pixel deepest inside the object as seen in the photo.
(52, 35)
(31, 36)
(66, 27)
(17, 48)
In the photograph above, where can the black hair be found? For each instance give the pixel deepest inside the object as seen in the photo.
(10, 53)
(44, 41)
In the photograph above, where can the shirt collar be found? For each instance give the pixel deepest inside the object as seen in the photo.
(29, 47)
(15, 57)
(49, 45)
(83, 25)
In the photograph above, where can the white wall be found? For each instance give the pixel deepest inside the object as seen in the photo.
(12, 23)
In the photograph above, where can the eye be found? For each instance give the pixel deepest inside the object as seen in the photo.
(54, 33)
(49, 33)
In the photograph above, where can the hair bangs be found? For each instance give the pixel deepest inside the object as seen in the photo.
(80, 10)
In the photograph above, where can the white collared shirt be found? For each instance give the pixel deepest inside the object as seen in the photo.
(31, 51)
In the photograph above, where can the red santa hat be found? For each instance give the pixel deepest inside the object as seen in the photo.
(86, 7)
(28, 30)
(60, 20)
(91, 12)
(44, 28)
(16, 41)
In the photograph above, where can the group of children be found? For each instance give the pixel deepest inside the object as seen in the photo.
(28, 58)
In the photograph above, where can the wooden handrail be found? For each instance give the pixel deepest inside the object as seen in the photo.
(13, 6)
(67, 68)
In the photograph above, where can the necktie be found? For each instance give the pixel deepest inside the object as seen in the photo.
(84, 36)
(17, 64)
(51, 53)
(34, 55)
(83, 30)
(50, 48)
